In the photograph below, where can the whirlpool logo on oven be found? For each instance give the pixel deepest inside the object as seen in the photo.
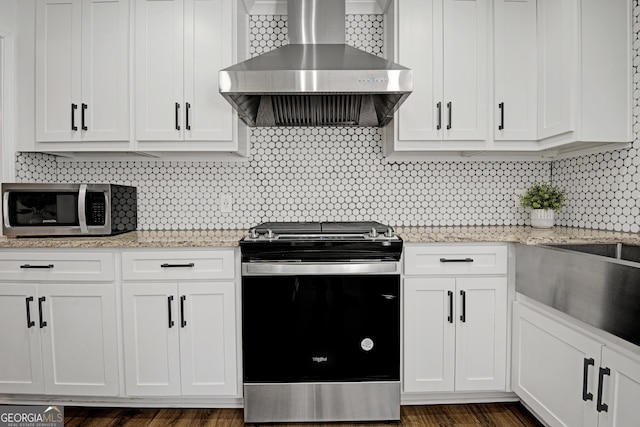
(320, 359)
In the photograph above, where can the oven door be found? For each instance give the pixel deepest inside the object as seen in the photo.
(321, 328)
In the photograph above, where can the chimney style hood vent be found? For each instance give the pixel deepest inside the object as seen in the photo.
(316, 80)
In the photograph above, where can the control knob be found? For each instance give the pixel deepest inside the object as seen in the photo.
(374, 232)
(389, 232)
(269, 234)
(253, 233)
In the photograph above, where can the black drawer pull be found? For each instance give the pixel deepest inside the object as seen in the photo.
(43, 323)
(49, 266)
(501, 107)
(30, 323)
(439, 107)
(169, 301)
(177, 116)
(463, 316)
(450, 317)
(82, 118)
(165, 265)
(74, 107)
(183, 322)
(456, 259)
(585, 379)
(188, 121)
(602, 407)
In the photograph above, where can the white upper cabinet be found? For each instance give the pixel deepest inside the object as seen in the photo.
(82, 70)
(557, 78)
(180, 47)
(557, 56)
(444, 42)
(515, 62)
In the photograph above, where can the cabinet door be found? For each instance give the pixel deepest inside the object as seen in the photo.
(557, 64)
(465, 69)
(548, 362)
(159, 70)
(208, 43)
(207, 339)
(515, 101)
(21, 367)
(621, 390)
(481, 334)
(151, 339)
(105, 70)
(429, 334)
(420, 49)
(58, 84)
(79, 341)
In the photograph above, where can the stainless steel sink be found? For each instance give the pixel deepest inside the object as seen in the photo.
(596, 283)
(612, 250)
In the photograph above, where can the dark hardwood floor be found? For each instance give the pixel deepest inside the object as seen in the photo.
(485, 415)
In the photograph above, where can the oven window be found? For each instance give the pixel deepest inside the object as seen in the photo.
(321, 328)
(31, 209)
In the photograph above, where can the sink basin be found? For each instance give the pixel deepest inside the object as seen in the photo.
(595, 283)
(612, 250)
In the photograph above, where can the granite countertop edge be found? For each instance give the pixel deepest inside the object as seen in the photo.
(417, 234)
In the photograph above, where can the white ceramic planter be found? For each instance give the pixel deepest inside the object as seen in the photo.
(542, 218)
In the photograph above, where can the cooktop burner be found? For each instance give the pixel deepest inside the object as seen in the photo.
(321, 241)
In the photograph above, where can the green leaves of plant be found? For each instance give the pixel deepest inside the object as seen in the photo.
(543, 196)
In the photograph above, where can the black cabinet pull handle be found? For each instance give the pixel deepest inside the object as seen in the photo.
(449, 108)
(36, 266)
(501, 107)
(169, 301)
(188, 121)
(463, 316)
(82, 122)
(165, 265)
(456, 259)
(183, 322)
(177, 116)
(30, 323)
(74, 107)
(450, 317)
(43, 323)
(439, 106)
(585, 379)
(602, 407)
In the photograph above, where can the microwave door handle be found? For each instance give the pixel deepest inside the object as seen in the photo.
(82, 205)
(5, 209)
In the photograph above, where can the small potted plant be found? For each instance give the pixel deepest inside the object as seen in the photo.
(543, 199)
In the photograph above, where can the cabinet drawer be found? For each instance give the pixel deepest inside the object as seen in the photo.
(178, 265)
(56, 266)
(455, 259)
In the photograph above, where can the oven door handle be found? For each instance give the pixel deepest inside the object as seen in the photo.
(325, 268)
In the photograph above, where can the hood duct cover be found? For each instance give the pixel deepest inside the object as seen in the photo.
(316, 80)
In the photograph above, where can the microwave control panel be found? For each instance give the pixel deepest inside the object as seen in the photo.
(96, 208)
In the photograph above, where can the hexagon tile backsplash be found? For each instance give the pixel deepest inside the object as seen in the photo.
(339, 174)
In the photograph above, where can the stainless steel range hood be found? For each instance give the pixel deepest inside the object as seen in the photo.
(316, 80)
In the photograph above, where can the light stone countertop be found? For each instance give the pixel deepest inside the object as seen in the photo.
(134, 239)
(231, 238)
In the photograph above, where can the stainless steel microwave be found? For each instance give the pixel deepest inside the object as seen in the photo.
(68, 209)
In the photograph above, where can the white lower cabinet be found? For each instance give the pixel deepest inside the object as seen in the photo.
(58, 339)
(569, 378)
(455, 327)
(180, 338)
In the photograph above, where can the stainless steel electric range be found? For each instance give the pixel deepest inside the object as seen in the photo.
(321, 322)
